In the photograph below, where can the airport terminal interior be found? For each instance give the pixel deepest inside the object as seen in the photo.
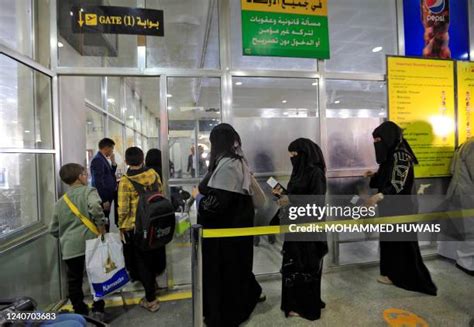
(61, 92)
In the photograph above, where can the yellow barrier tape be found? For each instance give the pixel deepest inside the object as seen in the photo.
(109, 303)
(268, 230)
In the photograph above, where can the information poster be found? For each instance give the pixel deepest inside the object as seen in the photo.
(421, 101)
(285, 28)
(465, 100)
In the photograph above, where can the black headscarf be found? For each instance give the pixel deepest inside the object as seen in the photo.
(153, 160)
(309, 156)
(225, 142)
(391, 140)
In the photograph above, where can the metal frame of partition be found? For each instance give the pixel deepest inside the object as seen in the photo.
(29, 234)
(26, 234)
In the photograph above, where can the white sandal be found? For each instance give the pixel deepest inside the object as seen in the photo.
(150, 306)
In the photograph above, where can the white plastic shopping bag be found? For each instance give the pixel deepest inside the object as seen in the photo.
(105, 265)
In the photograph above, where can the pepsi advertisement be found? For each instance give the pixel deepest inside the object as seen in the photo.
(436, 29)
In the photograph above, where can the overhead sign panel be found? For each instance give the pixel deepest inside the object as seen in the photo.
(117, 20)
(285, 28)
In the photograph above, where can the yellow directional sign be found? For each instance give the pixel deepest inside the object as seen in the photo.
(117, 20)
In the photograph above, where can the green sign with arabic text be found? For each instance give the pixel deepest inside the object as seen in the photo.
(277, 29)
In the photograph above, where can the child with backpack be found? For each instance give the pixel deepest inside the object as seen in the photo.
(139, 259)
(78, 216)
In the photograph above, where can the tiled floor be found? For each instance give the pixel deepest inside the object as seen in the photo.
(353, 298)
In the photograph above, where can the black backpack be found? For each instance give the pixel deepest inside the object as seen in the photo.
(155, 219)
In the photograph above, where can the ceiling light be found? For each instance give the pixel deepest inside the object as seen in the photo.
(60, 45)
(238, 83)
(111, 100)
(71, 13)
(337, 101)
(130, 117)
(314, 83)
(284, 101)
(170, 107)
(169, 95)
(285, 114)
(377, 49)
(27, 132)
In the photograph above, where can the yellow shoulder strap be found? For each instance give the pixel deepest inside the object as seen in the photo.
(89, 224)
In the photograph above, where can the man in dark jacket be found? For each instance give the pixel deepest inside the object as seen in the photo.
(103, 174)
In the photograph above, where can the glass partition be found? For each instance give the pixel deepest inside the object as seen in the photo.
(27, 188)
(93, 90)
(193, 110)
(278, 110)
(358, 106)
(361, 33)
(25, 107)
(116, 134)
(113, 96)
(16, 25)
(191, 35)
(95, 131)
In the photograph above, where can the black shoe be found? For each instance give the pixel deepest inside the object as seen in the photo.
(271, 239)
(323, 304)
(81, 309)
(256, 240)
(262, 298)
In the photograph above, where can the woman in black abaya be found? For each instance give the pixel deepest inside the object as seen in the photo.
(401, 263)
(230, 290)
(303, 260)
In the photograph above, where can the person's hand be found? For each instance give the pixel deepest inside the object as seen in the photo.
(102, 230)
(373, 200)
(112, 158)
(195, 192)
(122, 235)
(283, 201)
(277, 191)
(369, 174)
(106, 206)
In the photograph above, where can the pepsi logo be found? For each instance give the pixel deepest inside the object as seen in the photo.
(435, 6)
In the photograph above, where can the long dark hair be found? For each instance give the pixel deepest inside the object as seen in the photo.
(153, 160)
(224, 143)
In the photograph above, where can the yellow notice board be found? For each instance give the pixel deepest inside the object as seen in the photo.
(465, 100)
(421, 101)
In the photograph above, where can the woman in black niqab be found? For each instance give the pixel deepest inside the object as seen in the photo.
(401, 263)
(230, 290)
(303, 260)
